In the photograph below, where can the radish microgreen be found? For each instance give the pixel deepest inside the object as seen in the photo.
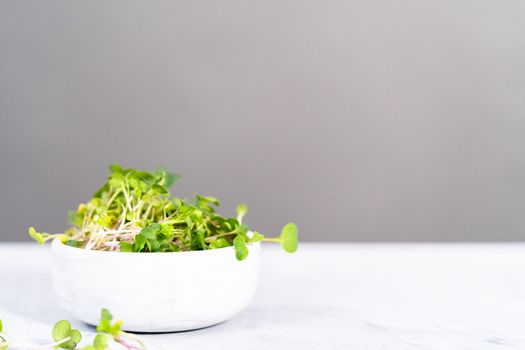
(113, 331)
(134, 212)
(65, 337)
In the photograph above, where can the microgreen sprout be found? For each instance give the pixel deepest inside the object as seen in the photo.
(65, 337)
(114, 332)
(135, 212)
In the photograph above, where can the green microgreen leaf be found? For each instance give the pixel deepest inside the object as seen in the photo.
(76, 336)
(150, 231)
(219, 243)
(100, 342)
(126, 247)
(106, 315)
(168, 178)
(115, 328)
(104, 325)
(75, 218)
(140, 243)
(62, 330)
(116, 168)
(241, 251)
(36, 235)
(256, 237)
(116, 180)
(289, 238)
(206, 203)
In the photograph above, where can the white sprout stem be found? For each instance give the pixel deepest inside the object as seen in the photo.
(108, 238)
(135, 338)
(128, 199)
(147, 211)
(113, 196)
(65, 340)
(90, 243)
(21, 345)
(111, 232)
(52, 345)
(169, 217)
(123, 218)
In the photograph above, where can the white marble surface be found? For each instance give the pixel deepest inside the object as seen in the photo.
(329, 296)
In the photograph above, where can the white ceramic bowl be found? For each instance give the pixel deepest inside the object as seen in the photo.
(155, 292)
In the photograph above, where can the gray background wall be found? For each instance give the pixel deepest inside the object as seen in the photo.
(359, 120)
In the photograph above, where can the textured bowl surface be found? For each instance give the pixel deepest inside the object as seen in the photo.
(155, 292)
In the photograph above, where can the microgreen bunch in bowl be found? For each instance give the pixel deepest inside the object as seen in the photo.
(134, 212)
(162, 262)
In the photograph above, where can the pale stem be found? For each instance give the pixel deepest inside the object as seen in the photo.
(212, 238)
(21, 345)
(126, 345)
(135, 338)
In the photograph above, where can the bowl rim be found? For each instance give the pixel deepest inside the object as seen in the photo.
(58, 246)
